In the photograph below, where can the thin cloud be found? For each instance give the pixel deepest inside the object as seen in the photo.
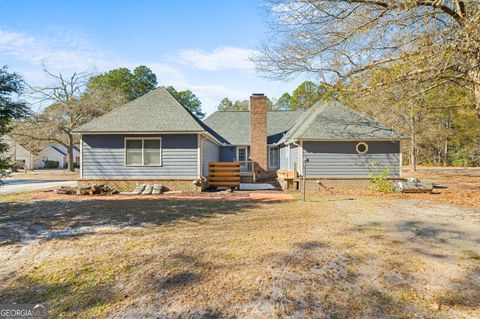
(222, 58)
(63, 50)
(164, 72)
(66, 51)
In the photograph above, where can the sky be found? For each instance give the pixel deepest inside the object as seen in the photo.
(201, 45)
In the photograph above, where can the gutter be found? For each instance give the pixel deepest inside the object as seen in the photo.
(353, 139)
(135, 133)
(210, 136)
(206, 133)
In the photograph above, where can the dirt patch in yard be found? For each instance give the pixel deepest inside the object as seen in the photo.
(266, 196)
(464, 198)
(332, 257)
(468, 180)
(463, 189)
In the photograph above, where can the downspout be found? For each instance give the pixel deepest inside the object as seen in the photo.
(299, 158)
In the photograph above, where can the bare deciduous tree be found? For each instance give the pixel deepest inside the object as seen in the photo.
(434, 41)
(70, 106)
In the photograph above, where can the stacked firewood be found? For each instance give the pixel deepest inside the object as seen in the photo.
(97, 190)
(67, 190)
(87, 190)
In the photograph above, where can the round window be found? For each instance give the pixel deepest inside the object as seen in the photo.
(362, 148)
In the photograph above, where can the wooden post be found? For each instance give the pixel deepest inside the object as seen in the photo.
(252, 163)
(304, 175)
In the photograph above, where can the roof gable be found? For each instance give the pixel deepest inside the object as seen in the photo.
(12, 143)
(156, 111)
(335, 121)
(55, 147)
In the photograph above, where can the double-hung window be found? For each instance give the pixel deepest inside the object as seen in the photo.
(143, 151)
(242, 155)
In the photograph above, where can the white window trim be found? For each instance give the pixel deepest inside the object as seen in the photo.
(366, 148)
(143, 152)
(242, 163)
(269, 159)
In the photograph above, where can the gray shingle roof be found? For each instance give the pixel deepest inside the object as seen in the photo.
(156, 111)
(234, 126)
(333, 120)
(159, 111)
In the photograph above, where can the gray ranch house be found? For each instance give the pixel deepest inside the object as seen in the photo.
(155, 139)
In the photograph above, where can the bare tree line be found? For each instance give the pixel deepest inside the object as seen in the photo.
(393, 58)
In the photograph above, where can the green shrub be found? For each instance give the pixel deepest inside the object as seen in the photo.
(379, 177)
(460, 159)
(427, 163)
(52, 164)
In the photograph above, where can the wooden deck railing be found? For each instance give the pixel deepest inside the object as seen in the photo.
(224, 174)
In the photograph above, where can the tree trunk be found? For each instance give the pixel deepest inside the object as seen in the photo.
(413, 147)
(477, 95)
(445, 153)
(475, 76)
(71, 168)
(413, 158)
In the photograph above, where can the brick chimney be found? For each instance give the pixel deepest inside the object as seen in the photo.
(258, 134)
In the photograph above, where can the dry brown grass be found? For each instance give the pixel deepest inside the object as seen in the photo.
(17, 197)
(47, 174)
(331, 257)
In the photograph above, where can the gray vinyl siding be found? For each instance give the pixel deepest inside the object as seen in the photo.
(104, 157)
(228, 154)
(210, 153)
(294, 165)
(340, 159)
(284, 157)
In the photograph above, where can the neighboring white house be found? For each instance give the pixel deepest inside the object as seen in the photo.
(58, 153)
(51, 152)
(18, 153)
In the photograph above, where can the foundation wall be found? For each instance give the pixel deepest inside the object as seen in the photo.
(129, 185)
(324, 184)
